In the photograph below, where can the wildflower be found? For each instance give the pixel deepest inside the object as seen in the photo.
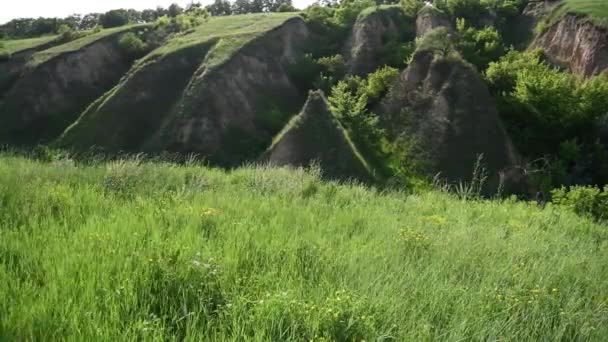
(436, 219)
(210, 212)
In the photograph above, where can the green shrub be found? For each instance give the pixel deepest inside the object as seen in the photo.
(480, 47)
(66, 33)
(468, 9)
(437, 41)
(132, 45)
(378, 83)
(412, 7)
(546, 110)
(584, 200)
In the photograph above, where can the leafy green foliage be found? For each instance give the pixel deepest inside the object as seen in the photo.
(322, 73)
(67, 33)
(471, 10)
(114, 18)
(584, 200)
(479, 46)
(132, 45)
(350, 101)
(412, 7)
(437, 41)
(547, 109)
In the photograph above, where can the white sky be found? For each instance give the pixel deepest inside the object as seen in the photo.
(11, 9)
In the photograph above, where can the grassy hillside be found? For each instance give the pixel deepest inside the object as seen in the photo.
(248, 25)
(597, 10)
(128, 250)
(17, 45)
(124, 119)
(75, 45)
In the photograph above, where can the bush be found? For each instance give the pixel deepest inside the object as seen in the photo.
(132, 45)
(412, 7)
(479, 47)
(378, 83)
(66, 33)
(437, 41)
(584, 200)
(468, 9)
(546, 110)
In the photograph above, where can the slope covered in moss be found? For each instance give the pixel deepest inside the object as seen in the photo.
(315, 136)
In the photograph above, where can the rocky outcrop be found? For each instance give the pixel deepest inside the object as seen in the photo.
(369, 36)
(316, 136)
(229, 113)
(444, 107)
(430, 18)
(49, 96)
(575, 43)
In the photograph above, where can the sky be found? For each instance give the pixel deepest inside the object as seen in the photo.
(11, 9)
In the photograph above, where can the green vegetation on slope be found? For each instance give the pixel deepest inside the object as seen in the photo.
(159, 252)
(217, 27)
(130, 113)
(597, 10)
(16, 45)
(75, 45)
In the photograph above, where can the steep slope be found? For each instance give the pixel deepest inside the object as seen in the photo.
(236, 104)
(374, 29)
(58, 83)
(193, 93)
(17, 53)
(316, 136)
(576, 43)
(445, 108)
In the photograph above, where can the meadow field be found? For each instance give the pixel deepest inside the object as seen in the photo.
(134, 250)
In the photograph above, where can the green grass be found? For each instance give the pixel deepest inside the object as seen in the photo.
(596, 10)
(16, 45)
(251, 25)
(154, 251)
(75, 45)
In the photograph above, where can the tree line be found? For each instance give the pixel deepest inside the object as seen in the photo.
(35, 27)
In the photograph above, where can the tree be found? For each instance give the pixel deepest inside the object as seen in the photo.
(89, 21)
(479, 47)
(174, 10)
(114, 18)
(73, 21)
(219, 8)
(286, 8)
(148, 15)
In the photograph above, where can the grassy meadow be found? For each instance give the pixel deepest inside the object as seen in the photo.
(131, 250)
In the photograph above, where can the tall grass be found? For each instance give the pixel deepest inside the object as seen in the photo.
(129, 250)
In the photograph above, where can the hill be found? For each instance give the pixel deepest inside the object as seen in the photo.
(317, 136)
(141, 112)
(132, 250)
